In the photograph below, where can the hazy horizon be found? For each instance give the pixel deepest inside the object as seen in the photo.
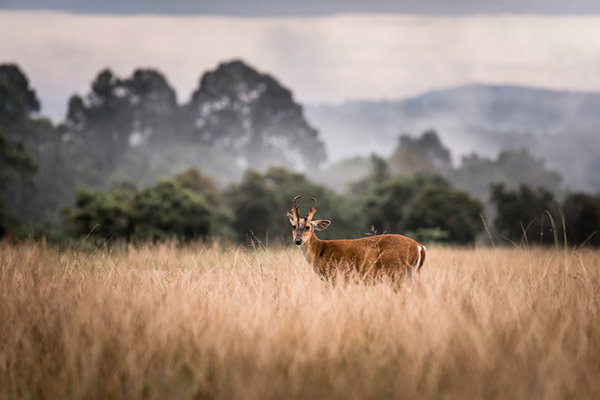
(325, 59)
(275, 8)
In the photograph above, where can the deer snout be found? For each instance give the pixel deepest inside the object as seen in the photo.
(298, 241)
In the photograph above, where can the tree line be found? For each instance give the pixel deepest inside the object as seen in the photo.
(131, 164)
(426, 207)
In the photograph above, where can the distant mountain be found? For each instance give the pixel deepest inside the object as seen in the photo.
(561, 127)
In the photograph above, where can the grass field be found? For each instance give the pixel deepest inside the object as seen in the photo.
(201, 322)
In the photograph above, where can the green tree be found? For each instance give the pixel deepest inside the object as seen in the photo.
(252, 203)
(203, 185)
(17, 99)
(195, 181)
(168, 211)
(14, 159)
(582, 218)
(162, 212)
(424, 207)
(521, 214)
(440, 208)
(102, 216)
(385, 204)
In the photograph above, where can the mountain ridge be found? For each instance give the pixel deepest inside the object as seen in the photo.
(458, 87)
(473, 118)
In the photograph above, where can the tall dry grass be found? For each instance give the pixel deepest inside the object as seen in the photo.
(168, 322)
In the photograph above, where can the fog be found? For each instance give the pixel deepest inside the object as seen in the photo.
(321, 59)
(481, 119)
(344, 101)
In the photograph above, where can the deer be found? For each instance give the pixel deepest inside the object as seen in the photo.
(377, 256)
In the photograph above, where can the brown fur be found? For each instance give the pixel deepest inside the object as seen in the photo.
(389, 255)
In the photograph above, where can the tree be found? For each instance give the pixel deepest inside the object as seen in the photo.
(425, 207)
(35, 198)
(18, 103)
(102, 216)
(168, 211)
(380, 172)
(14, 159)
(522, 213)
(162, 212)
(385, 204)
(116, 115)
(582, 218)
(155, 113)
(198, 183)
(450, 212)
(423, 155)
(203, 185)
(429, 146)
(252, 203)
(17, 100)
(254, 117)
(511, 168)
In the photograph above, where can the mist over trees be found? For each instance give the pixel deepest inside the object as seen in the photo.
(253, 117)
(15, 161)
(131, 164)
(559, 126)
(236, 119)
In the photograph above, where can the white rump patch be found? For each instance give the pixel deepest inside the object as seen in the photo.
(418, 262)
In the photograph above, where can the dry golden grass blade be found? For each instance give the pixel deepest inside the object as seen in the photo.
(199, 322)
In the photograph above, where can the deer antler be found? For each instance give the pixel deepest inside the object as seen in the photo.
(312, 210)
(295, 206)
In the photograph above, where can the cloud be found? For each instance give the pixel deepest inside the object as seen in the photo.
(309, 7)
(321, 59)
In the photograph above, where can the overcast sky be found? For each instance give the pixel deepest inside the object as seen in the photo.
(325, 58)
(309, 7)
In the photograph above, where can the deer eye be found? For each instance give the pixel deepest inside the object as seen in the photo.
(293, 226)
(306, 228)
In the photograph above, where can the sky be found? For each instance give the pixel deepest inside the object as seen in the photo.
(324, 53)
(309, 7)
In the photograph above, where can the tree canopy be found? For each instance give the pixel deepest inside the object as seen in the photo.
(253, 116)
(522, 214)
(165, 211)
(428, 207)
(130, 163)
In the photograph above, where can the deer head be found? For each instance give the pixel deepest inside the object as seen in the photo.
(302, 228)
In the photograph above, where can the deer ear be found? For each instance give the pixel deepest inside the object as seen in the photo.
(291, 218)
(321, 224)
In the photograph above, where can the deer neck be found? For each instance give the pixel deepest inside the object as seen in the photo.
(311, 248)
